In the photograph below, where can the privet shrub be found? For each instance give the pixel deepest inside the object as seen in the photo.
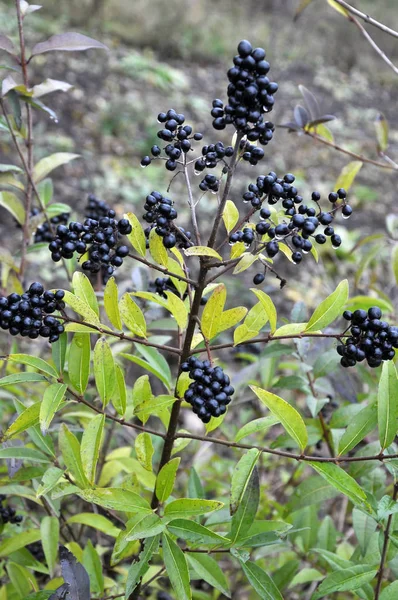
(105, 490)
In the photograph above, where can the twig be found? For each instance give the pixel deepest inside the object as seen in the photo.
(191, 203)
(371, 41)
(385, 547)
(367, 18)
(152, 265)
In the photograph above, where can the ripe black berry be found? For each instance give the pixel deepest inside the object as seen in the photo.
(210, 391)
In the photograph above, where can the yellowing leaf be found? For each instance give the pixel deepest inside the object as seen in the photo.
(132, 315)
(212, 312)
(330, 308)
(339, 8)
(111, 303)
(82, 308)
(178, 309)
(49, 163)
(175, 267)
(157, 250)
(137, 236)
(268, 307)
(14, 206)
(231, 317)
(245, 262)
(104, 370)
(201, 251)
(287, 415)
(83, 289)
(230, 215)
(381, 126)
(348, 174)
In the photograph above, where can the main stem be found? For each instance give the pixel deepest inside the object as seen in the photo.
(190, 332)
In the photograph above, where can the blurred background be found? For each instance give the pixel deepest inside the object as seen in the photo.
(176, 54)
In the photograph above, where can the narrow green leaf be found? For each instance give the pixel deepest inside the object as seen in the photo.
(206, 567)
(176, 568)
(97, 522)
(330, 308)
(132, 316)
(241, 477)
(82, 308)
(390, 592)
(255, 320)
(230, 215)
(144, 450)
(348, 174)
(52, 399)
(10, 202)
(166, 478)
(70, 449)
(364, 528)
(49, 163)
(343, 482)
(345, 580)
(93, 566)
(202, 251)
(387, 405)
(157, 249)
(195, 488)
(243, 519)
(287, 415)
(195, 533)
(49, 481)
(116, 499)
(247, 259)
(104, 370)
(119, 400)
(17, 378)
(260, 581)
(143, 526)
(365, 421)
(79, 361)
(262, 424)
(137, 235)
(49, 529)
(311, 491)
(18, 541)
(91, 446)
(21, 579)
(23, 453)
(111, 303)
(268, 307)
(83, 289)
(33, 361)
(140, 567)
(381, 127)
(58, 352)
(190, 507)
(27, 418)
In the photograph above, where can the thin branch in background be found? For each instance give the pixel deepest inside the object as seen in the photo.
(385, 547)
(191, 203)
(146, 262)
(367, 18)
(371, 41)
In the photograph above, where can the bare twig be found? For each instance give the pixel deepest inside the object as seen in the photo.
(371, 41)
(191, 203)
(367, 18)
(385, 547)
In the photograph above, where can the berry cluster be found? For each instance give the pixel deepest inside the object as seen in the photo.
(178, 137)
(8, 514)
(96, 209)
(36, 549)
(252, 153)
(162, 285)
(43, 233)
(210, 182)
(98, 237)
(250, 95)
(210, 391)
(301, 221)
(211, 156)
(369, 338)
(29, 314)
(161, 214)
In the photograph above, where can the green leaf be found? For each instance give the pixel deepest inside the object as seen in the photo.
(116, 499)
(212, 312)
(195, 533)
(175, 267)
(202, 251)
(137, 235)
(241, 477)
(104, 370)
(246, 261)
(176, 568)
(52, 399)
(23, 453)
(206, 567)
(190, 507)
(58, 351)
(49, 529)
(230, 215)
(311, 491)
(18, 541)
(381, 127)
(330, 308)
(49, 481)
(70, 449)
(17, 378)
(83, 289)
(9, 201)
(364, 528)
(255, 320)
(287, 415)
(82, 308)
(166, 478)
(260, 581)
(35, 362)
(157, 249)
(268, 307)
(306, 575)
(132, 316)
(93, 566)
(345, 580)
(262, 424)
(140, 567)
(243, 519)
(143, 526)
(111, 299)
(79, 361)
(27, 418)
(390, 592)
(160, 366)
(21, 579)
(348, 174)
(91, 446)
(97, 522)
(195, 489)
(290, 329)
(49, 163)
(119, 400)
(387, 406)
(365, 421)
(144, 450)
(365, 302)
(343, 482)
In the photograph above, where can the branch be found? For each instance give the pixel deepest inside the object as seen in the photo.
(191, 203)
(376, 163)
(152, 265)
(367, 18)
(385, 547)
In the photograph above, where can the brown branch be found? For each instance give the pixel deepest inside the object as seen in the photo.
(367, 18)
(148, 263)
(385, 547)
